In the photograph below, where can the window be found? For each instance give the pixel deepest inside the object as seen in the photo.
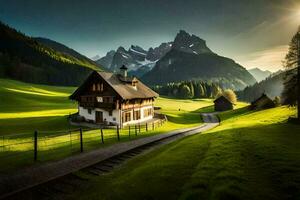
(110, 112)
(99, 99)
(90, 111)
(108, 99)
(137, 115)
(98, 87)
(126, 116)
(147, 112)
(94, 87)
(114, 119)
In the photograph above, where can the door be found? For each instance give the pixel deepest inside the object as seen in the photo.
(99, 117)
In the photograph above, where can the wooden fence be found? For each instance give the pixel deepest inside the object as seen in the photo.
(42, 146)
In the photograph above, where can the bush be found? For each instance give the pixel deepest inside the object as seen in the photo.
(230, 95)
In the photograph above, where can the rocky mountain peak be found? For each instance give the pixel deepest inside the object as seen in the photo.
(121, 49)
(190, 43)
(137, 49)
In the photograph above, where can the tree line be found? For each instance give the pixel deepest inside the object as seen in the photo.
(189, 89)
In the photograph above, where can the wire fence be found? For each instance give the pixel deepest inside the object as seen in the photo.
(20, 149)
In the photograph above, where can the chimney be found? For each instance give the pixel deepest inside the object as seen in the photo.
(123, 71)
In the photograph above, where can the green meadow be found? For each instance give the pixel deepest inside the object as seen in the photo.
(251, 155)
(26, 107)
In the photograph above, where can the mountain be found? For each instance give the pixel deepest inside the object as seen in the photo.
(95, 58)
(138, 60)
(259, 74)
(39, 60)
(272, 86)
(187, 43)
(190, 59)
(65, 50)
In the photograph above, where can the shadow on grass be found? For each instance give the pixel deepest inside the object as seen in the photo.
(206, 109)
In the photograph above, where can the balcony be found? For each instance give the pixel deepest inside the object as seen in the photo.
(97, 105)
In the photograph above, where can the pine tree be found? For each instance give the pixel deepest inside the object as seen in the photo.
(192, 91)
(216, 90)
(291, 94)
(201, 91)
(185, 91)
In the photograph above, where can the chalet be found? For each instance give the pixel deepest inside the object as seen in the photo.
(222, 104)
(263, 102)
(115, 99)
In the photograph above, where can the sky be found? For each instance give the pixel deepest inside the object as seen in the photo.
(255, 33)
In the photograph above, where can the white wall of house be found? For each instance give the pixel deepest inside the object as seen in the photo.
(114, 118)
(142, 119)
(84, 113)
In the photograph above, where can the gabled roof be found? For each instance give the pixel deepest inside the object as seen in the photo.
(262, 97)
(121, 85)
(222, 98)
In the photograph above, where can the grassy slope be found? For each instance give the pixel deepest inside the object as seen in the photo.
(252, 155)
(27, 107)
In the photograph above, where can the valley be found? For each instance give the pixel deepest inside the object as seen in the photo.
(129, 100)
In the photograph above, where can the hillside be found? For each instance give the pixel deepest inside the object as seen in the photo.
(272, 86)
(83, 60)
(26, 59)
(249, 151)
(190, 58)
(26, 107)
(259, 74)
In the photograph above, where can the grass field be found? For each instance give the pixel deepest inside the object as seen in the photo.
(26, 107)
(251, 155)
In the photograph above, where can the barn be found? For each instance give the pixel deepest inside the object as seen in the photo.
(263, 102)
(222, 104)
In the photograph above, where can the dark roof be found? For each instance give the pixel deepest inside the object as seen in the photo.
(222, 98)
(262, 97)
(123, 67)
(122, 86)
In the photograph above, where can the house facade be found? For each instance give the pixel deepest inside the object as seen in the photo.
(114, 99)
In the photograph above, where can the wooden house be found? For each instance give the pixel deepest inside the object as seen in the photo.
(222, 104)
(263, 102)
(116, 99)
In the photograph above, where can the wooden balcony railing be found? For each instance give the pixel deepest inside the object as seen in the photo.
(97, 105)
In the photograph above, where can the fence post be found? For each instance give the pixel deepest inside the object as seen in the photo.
(147, 127)
(135, 130)
(152, 125)
(102, 140)
(139, 127)
(129, 131)
(118, 134)
(35, 145)
(81, 141)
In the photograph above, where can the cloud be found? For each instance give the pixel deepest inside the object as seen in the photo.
(268, 59)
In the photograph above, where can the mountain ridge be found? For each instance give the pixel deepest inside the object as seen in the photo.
(190, 58)
(138, 60)
(24, 58)
(259, 74)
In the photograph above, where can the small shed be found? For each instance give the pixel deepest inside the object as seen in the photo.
(263, 102)
(222, 104)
